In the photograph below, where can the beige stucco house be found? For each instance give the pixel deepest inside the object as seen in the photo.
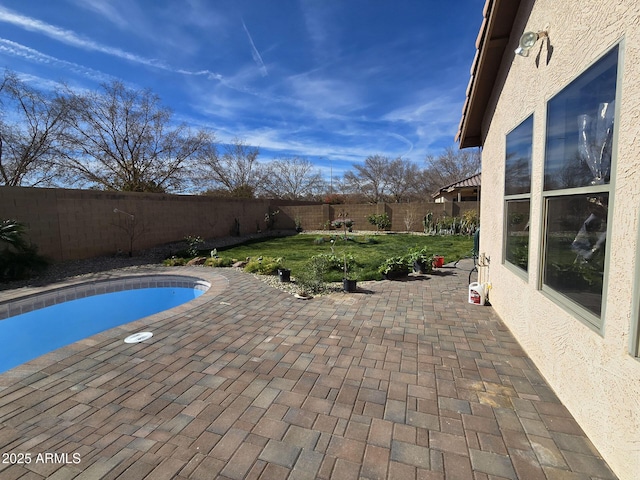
(559, 124)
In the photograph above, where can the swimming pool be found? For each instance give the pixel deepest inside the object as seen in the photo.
(38, 324)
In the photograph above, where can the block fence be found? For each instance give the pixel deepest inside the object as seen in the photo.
(69, 224)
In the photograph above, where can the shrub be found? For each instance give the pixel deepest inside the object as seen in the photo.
(264, 266)
(17, 265)
(423, 257)
(193, 245)
(420, 255)
(329, 261)
(20, 259)
(381, 221)
(311, 278)
(394, 265)
(175, 262)
(218, 262)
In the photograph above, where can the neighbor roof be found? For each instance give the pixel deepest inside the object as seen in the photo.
(491, 43)
(470, 182)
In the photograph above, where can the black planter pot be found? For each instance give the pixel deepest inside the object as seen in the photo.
(419, 267)
(394, 275)
(349, 285)
(284, 274)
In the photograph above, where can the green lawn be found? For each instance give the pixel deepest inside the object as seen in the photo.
(368, 251)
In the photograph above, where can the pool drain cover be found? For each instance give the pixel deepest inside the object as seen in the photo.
(138, 337)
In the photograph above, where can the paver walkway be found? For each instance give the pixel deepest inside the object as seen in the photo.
(404, 380)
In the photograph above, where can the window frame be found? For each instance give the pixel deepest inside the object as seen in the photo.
(517, 197)
(584, 315)
(634, 334)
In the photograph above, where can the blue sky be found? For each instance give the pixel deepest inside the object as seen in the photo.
(333, 81)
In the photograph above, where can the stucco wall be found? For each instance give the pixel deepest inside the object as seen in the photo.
(592, 372)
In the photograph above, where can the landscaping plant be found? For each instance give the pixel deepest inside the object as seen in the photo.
(19, 259)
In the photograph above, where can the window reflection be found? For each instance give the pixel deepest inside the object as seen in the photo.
(575, 247)
(517, 243)
(580, 129)
(579, 146)
(518, 162)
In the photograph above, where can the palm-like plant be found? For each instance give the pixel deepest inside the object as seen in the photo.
(19, 258)
(11, 232)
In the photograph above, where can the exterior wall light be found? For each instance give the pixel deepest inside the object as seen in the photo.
(527, 41)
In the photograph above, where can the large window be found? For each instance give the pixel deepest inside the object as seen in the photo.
(517, 191)
(577, 171)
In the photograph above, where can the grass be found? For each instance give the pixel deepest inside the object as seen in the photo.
(369, 252)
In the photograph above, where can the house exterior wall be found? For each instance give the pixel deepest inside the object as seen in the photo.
(593, 371)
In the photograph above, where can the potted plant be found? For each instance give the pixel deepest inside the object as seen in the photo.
(348, 223)
(394, 267)
(283, 273)
(421, 260)
(348, 284)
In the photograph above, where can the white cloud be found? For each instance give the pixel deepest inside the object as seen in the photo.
(114, 11)
(321, 28)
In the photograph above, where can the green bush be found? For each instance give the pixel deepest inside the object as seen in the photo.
(175, 262)
(381, 220)
(264, 265)
(312, 276)
(194, 244)
(218, 262)
(20, 259)
(394, 265)
(334, 262)
(420, 255)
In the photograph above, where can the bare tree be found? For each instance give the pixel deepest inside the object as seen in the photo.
(292, 178)
(449, 167)
(31, 127)
(401, 178)
(235, 171)
(123, 139)
(370, 179)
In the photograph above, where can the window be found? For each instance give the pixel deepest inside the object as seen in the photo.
(517, 190)
(577, 171)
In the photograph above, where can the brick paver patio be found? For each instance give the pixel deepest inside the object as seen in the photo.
(403, 380)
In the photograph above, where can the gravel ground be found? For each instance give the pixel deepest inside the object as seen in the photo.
(152, 257)
(65, 270)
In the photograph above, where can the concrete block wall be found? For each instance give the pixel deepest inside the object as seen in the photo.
(70, 224)
(315, 217)
(74, 224)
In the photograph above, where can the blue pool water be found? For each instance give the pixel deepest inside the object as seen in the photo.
(27, 336)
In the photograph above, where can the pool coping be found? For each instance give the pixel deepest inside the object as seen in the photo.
(197, 275)
(65, 293)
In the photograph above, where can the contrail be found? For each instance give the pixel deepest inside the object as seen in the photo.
(404, 140)
(15, 49)
(71, 38)
(254, 52)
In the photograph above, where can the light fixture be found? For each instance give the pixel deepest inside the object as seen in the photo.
(527, 41)
(116, 210)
